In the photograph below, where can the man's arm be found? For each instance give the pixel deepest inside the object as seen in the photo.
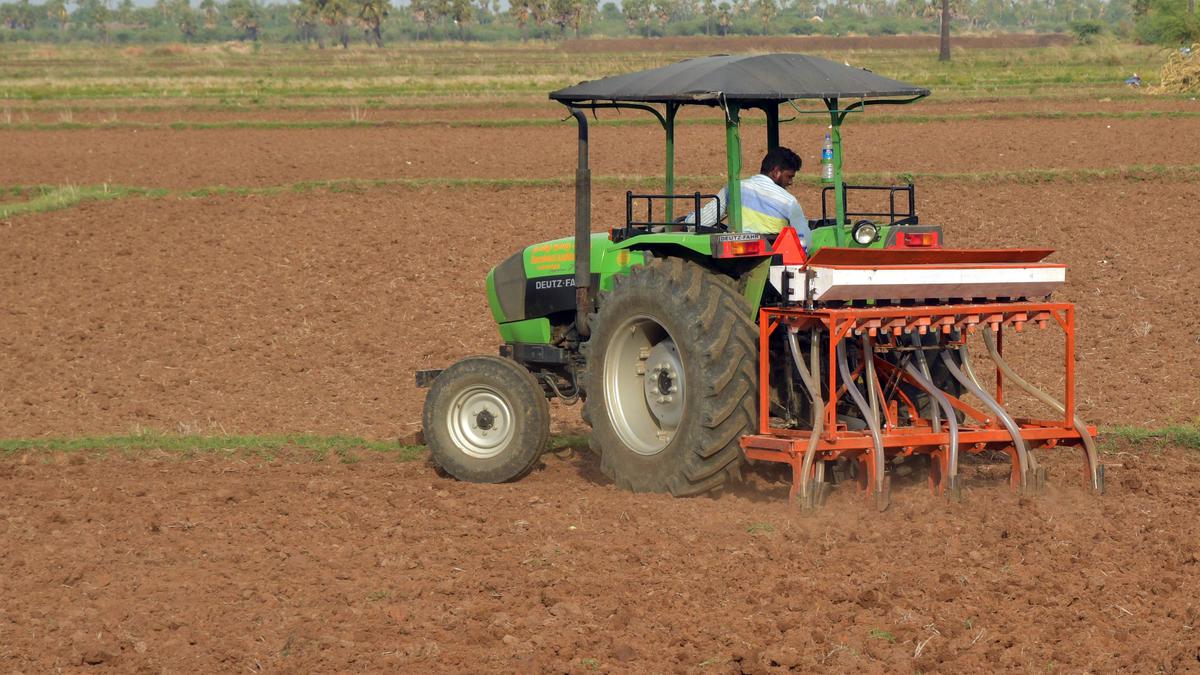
(709, 214)
(800, 223)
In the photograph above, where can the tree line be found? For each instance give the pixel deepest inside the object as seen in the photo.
(343, 22)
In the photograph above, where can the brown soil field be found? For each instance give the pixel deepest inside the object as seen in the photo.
(257, 157)
(229, 564)
(307, 312)
(310, 312)
(91, 112)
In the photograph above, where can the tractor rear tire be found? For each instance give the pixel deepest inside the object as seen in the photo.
(486, 420)
(672, 366)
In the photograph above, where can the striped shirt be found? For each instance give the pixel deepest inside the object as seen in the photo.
(766, 208)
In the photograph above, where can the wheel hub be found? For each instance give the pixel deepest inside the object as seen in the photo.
(480, 421)
(663, 385)
(644, 385)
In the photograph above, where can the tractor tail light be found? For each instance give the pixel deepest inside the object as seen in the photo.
(737, 249)
(917, 240)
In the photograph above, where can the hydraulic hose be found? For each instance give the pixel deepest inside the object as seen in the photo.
(940, 401)
(1013, 430)
(807, 495)
(1089, 444)
(872, 423)
(967, 368)
(964, 359)
(935, 421)
(871, 378)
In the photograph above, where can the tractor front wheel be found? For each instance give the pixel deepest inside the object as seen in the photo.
(670, 379)
(486, 420)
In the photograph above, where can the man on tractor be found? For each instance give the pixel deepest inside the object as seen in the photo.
(767, 206)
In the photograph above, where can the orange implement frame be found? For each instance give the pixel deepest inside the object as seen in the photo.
(981, 431)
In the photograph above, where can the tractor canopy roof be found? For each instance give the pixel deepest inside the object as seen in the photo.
(747, 80)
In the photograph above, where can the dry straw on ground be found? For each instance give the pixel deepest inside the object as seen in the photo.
(1181, 72)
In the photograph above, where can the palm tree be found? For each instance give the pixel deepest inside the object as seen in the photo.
(185, 18)
(211, 13)
(709, 9)
(243, 15)
(521, 11)
(421, 15)
(305, 16)
(56, 11)
(95, 14)
(461, 12)
(372, 13)
(336, 14)
(944, 41)
(766, 10)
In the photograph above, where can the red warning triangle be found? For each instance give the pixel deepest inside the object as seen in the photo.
(788, 245)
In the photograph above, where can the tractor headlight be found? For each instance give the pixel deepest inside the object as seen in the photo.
(865, 232)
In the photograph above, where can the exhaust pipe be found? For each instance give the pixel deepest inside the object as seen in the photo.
(583, 230)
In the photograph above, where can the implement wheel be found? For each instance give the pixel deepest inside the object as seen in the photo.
(672, 363)
(486, 420)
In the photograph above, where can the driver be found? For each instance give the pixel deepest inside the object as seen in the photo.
(767, 206)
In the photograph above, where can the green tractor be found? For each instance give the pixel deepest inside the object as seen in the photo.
(662, 328)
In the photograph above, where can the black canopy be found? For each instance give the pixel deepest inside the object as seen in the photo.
(744, 79)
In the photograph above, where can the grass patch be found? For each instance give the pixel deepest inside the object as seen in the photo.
(265, 75)
(818, 118)
(42, 198)
(1181, 436)
(345, 448)
(878, 634)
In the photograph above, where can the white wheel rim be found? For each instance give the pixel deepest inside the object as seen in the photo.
(480, 421)
(643, 385)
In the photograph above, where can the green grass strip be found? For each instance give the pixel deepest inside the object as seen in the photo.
(318, 446)
(51, 198)
(348, 449)
(366, 105)
(43, 198)
(816, 118)
(1183, 436)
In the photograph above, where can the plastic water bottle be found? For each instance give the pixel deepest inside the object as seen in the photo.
(827, 160)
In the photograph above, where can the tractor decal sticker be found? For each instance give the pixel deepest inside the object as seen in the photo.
(547, 295)
(554, 256)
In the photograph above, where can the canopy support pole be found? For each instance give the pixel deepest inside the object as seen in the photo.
(839, 186)
(772, 111)
(733, 157)
(669, 125)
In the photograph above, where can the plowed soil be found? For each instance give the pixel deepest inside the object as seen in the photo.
(309, 312)
(537, 108)
(235, 564)
(258, 157)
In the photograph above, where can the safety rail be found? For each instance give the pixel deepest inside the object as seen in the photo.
(895, 217)
(634, 227)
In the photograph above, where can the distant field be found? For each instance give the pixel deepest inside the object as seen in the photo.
(234, 76)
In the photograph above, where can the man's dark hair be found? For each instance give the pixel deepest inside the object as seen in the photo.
(780, 158)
